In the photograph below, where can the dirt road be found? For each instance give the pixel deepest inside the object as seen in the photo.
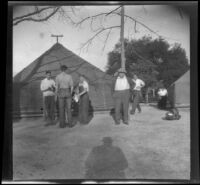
(154, 148)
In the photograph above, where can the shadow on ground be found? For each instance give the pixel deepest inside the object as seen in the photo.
(106, 162)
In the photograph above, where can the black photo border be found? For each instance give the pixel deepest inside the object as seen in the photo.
(190, 7)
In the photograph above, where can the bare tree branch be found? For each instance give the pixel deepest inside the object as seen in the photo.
(73, 10)
(36, 12)
(65, 16)
(147, 27)
(145, 11)
(106, 39)
(95, 16)
(113, 10)
(91, 26)
(133, 19)
(37, 20)
(89, 17)
(89, 41)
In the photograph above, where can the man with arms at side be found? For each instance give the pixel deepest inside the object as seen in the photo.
(64, 89)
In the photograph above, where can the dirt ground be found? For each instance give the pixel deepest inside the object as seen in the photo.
(153, 148)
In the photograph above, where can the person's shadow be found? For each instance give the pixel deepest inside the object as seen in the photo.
(106, 162)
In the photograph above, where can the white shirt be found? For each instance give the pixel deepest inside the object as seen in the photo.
(162, 92)
(45, 84)
(138, 84)
(122, 84)
(85, 85)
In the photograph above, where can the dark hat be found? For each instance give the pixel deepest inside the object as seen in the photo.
(121, 70)
(63, 67)
(48, 72)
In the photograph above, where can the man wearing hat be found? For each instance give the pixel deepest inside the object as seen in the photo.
(121, 93)
(64, 89)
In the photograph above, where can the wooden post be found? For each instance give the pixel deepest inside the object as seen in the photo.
(122, 38)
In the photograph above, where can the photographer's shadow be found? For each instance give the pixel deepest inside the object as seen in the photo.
(106, 162)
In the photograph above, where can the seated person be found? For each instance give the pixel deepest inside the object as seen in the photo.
(162, 95)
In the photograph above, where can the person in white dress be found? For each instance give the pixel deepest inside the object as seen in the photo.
(83, 96)
(162, 95)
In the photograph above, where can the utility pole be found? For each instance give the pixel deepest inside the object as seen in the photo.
(57, 36)
(122, 39)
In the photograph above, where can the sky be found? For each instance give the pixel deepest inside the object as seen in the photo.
(32, 39)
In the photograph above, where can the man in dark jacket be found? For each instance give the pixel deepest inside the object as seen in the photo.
(121, 94)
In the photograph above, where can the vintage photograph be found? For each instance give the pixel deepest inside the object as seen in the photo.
(101, 92)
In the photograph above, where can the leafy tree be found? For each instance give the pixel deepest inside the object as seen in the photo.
(174, 66)
(152, 60)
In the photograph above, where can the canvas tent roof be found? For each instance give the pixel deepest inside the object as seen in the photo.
(26, 84)
(179, 91)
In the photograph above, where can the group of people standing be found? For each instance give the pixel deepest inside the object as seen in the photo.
(63, 92)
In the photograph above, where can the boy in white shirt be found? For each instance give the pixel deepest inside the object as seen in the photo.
(48, 87)
(136, 93)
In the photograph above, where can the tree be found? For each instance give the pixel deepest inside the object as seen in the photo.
(174, 66)
(152, 60)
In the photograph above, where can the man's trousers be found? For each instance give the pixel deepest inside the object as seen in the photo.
(49, 103)
(64, 104)
(136, 101)
(121, 99)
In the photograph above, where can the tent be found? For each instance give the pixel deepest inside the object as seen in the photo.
(179, 91)
(27, 97)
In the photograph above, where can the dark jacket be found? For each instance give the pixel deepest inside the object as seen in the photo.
(130, 81)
